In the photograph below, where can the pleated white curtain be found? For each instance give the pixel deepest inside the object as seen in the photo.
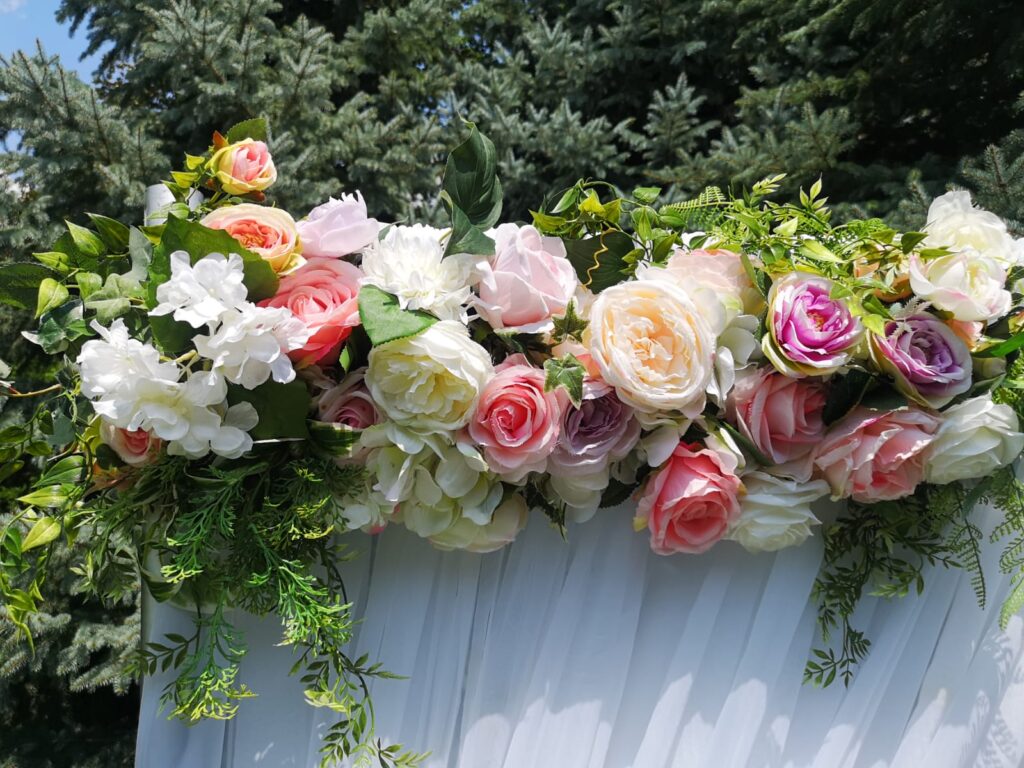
(598, 654)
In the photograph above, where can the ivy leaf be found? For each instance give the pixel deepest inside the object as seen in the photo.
(114, 298)
(113, 233)
(51, 295)
(256, 128)
(471, 182)
(566, 372)
(570, 325)
(59, 327)
(600, 261)
(282, 408)
(384, 320)
(19, 284)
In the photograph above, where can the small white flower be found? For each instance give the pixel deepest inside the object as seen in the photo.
(111, 363)
(954, 222)
(199, 293)
(775, 512)
(408, 263)
(252, 343)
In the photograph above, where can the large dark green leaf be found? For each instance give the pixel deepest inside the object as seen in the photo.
(282, 408)
(255, 128)
(466, 237)
(471, 181)
(600, 261)
(19, 283)
(384, 320)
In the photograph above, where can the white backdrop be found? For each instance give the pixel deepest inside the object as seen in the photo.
(598, 654)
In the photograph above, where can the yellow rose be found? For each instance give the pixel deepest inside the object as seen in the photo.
(243, 167)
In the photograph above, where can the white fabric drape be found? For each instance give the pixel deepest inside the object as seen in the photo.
(598, 654)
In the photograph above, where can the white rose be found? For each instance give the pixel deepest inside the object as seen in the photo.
(954, 223)
(505, 524)
(976, 437)
(430, 381)
(967, 284)
(581, 493)
(775, 512)
(409, 263)
(652, 344)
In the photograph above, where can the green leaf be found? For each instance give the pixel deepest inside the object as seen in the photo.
(256, 128)
(566, 372)
(646, 195)
(113, 233)
(87, 241)
(19, 284)
(141, 252)
(465, 236)
(47, 496)
(845, 393)
(88, 283)
(333, 439)
(59, 327)
(384, 320)
(570, 325)
(51, 295)
(282, 408)
(114, 298)
(600, 261)
(55, 260)
(910, 240)
(616, 493)
(471, 182)
(1003, 348)
(68, 471)
(45, 530)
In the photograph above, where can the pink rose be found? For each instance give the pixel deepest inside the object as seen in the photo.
(781, 416)
(527, 282)
(872, 456)
(338, 228)
(689, 503)
(133, 446)
(516, 422)
(349, 403)
(323, 294)
(269, 232)
(243, 167)
(720, 270)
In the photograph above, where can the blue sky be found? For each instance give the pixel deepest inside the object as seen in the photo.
(23, 21)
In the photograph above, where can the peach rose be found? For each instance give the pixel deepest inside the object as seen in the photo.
(516, 422)
(243, 167)
(527, 282)
(781, 416)
(691, 501)
(133, 446)
(323, 294)
(269, 232)
(871, 456)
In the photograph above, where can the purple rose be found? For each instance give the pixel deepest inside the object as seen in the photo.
(929, 362)
(337, 228)
(600, 431)
(809, 333)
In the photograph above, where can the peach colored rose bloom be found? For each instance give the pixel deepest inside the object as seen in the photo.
(133, 446)
(691, 501)
(269, 232)
(871, 456)
(243, 167)
(323, 294)
(516, 422)
(719, 270)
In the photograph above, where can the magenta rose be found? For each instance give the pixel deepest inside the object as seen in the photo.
(809, 333)
(338, 228)
(349, 403)
(871, 456)
(527, 282)
(928, 360)
(323, 294)
(603, 429)
(781, 416)
(690, 502)
(516, 422)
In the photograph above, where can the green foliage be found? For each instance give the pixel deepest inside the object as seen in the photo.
(384, 320)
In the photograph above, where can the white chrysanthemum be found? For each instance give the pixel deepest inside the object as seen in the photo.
(408, 263)
(775, 512)
(199, 293)
(252, 343)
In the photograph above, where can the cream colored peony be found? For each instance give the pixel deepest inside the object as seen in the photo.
(967, 284)
(954, 223)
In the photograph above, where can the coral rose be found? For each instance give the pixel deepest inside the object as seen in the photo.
(269, 232)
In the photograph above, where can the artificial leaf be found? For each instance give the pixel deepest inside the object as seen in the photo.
(599, 261)
(87, 241)
(566, 372)
(256, 128)
(55, 260)
(471, 182)
(51, 295)
(19, 284)
(113, 233)
(45, 530)
(384, 320)
(845, 393)
(465, 236)
(47, 496)
(59, 327)
(333, 439)
(282, 408)
(646, 195)
(570, 325)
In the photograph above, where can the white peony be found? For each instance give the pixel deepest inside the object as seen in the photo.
(430, 381)
(954, 223)
(976, 437)
(654, 345)
(408, 263)
(775, 512)
(251, 344)
(199, 293)
(967, 284)
(505, 524)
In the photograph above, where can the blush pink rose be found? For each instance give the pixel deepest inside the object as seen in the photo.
(516, 422)
(871, 456)
(527, 282)
(338, 228)
(243, 167)
(323, 294)
(719, 270)
(133, 446)
(349, 403)
(781, 416)
(691, 501)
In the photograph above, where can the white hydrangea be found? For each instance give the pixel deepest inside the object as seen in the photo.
(251, 344)
(408, 263)
(199, 293)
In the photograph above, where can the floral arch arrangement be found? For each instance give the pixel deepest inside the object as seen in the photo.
(236, 388)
